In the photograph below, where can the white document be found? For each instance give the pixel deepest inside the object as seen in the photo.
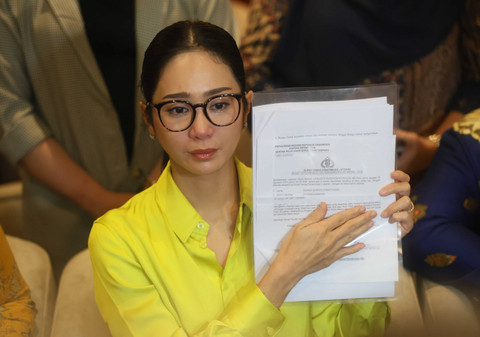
(339, 152)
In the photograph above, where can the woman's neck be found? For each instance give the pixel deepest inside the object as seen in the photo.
(212, 195)
(216, 198)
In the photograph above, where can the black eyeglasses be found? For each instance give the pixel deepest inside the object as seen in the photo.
(221, 110)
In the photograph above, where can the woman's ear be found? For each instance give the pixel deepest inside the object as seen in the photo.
(147, 118)
(248, 98)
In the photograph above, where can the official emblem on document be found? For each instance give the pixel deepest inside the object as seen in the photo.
(327, 163)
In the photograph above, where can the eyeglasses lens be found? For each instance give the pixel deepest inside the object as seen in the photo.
(221, 111)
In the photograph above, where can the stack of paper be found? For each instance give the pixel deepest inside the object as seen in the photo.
(342, 153)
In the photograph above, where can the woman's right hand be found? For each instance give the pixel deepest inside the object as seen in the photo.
(314, 244)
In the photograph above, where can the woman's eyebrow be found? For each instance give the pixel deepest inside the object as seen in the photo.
(207, 93)
(182, 94)
(216, 91)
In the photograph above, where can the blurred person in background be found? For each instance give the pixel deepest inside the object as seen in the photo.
(69, 116)
(444, 246)
(430, 48)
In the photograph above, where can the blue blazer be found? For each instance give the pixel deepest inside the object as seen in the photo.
(445, 242)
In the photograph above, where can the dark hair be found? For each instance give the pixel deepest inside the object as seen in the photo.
(185, 36)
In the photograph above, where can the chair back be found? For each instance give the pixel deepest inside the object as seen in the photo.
(76, 313)
(36, 269)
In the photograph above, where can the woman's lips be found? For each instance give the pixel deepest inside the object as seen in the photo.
(203, 154)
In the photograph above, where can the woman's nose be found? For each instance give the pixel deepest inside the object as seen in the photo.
(201, 126)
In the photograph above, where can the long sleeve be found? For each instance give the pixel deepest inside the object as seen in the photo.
(17, 311)
(445, 242)
(154, 275)
(133, 304)
(20, 127)
(368, 319)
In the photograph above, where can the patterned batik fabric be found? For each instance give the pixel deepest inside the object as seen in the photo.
(17, 311)
(426, 86)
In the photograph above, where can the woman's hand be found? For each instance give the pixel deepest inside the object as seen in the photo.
(401, 210)
(314, 244)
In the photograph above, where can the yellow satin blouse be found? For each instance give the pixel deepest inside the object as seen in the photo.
(155, 276)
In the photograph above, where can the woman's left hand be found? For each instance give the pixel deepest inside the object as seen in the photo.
(401, 210)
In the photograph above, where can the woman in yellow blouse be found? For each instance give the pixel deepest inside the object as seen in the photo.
(176, 260)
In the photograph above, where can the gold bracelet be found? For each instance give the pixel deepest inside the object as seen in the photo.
(435, 139)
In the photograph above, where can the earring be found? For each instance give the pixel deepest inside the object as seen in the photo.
(152, 137)
(245, 125)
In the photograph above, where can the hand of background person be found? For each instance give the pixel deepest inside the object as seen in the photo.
(50, 164)
(417, 152)
(401, 210)
(106, 201)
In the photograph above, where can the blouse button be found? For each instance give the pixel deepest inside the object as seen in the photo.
(200, 225)
(270, 331)
(203, 245)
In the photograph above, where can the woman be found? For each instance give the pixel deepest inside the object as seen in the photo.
(176, 260)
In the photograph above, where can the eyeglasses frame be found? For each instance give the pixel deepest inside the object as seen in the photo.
(158, 106)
